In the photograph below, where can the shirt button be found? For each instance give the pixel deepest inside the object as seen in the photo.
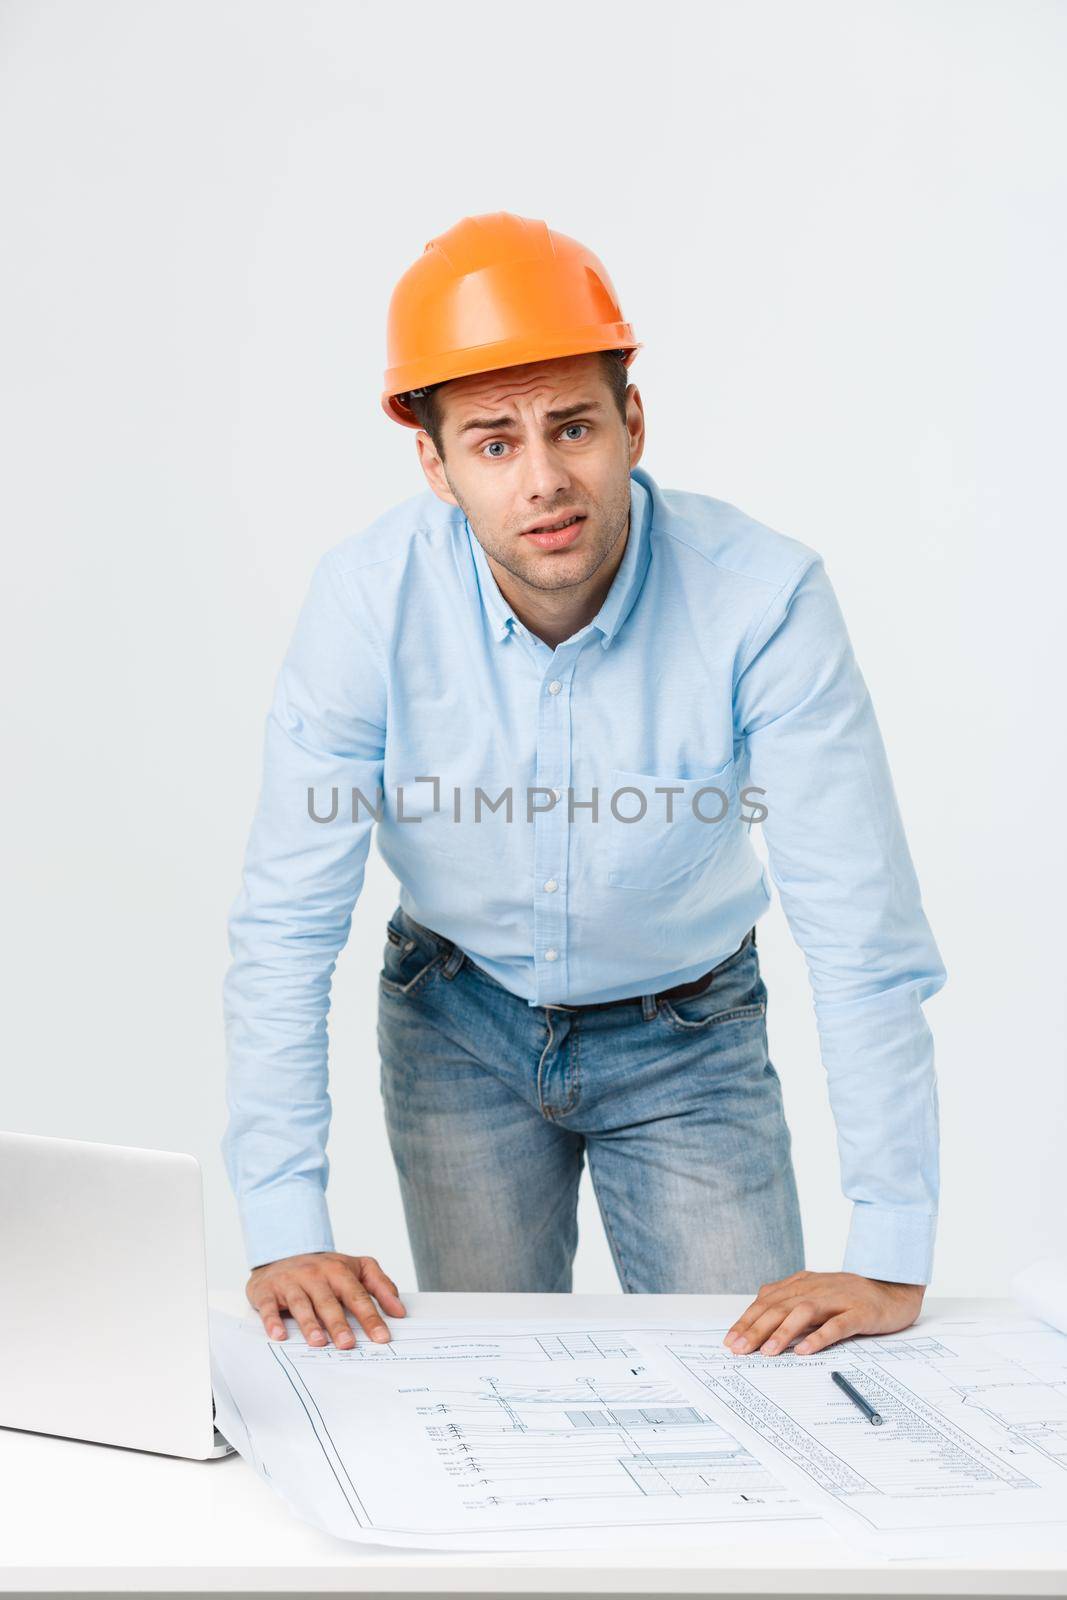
(550, 955)
(555, 686)
(551, 886)
(558, 793)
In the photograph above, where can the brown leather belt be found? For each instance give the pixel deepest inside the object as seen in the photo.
(681, 991)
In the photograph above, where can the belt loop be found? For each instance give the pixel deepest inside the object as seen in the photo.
(649, 1007)
(456, 958)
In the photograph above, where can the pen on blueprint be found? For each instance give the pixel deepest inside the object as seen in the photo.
(857, 1399)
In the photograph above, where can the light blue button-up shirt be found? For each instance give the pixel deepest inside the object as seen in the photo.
(716, 679)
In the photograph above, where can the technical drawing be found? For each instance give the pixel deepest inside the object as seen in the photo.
(608, 1346)
(521, 1442)
(488, 1432)
(484, 1436)
(974, 1432)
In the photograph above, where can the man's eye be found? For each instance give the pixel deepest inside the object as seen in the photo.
(493, 442)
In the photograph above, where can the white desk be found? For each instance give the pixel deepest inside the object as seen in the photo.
(79, 1518)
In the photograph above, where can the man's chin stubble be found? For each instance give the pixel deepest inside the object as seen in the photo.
(565, 580)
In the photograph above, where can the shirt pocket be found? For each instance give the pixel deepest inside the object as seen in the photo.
(651, 851)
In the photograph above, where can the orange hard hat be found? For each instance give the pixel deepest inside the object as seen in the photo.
(495, 291)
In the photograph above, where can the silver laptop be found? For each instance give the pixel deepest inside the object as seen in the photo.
(104, 1328)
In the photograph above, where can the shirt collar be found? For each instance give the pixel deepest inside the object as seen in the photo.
(625, 586)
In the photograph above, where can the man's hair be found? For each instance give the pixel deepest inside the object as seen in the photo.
(425, 405)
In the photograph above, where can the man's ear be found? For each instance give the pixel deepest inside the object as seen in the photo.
(635, 424)
(433, 468)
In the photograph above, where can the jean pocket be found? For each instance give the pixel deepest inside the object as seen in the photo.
(660, 845)
(407, 960)
(736, 993)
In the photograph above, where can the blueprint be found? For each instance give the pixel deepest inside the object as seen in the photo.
(494, 1436)
(973, 1450)
(565, 1434)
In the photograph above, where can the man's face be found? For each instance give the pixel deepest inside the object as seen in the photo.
(513, 462)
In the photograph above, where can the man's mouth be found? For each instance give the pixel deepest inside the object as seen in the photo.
(554, 535)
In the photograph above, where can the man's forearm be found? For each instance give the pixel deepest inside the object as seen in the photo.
(840, 860)
(292, 917)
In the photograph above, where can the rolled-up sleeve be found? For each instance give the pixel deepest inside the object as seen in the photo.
(325, 732)
(839, 858)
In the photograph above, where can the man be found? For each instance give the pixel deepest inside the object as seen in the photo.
(564, 694)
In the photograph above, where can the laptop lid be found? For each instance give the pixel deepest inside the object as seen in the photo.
(104, 1331)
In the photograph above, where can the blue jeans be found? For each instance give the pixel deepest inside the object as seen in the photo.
(492, 1105)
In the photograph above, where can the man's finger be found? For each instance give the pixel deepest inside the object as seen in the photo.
(331, 1315)
(304, 1312)
(267, 1306)
(843, 1326)
(381, 1285)
(359, 1301)
(747, 1316)
(770, 1321)
(757, 1308)
(759, 1328)
(796, 1322)
(781, 1303)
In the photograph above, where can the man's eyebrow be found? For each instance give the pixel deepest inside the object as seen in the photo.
(496, 423)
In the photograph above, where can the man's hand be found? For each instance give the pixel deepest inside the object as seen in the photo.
(316, 1289)
(824, 1307)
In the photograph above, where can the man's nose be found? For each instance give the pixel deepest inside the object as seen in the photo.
(544, 472)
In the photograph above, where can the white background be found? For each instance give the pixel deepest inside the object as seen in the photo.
(839, 230)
